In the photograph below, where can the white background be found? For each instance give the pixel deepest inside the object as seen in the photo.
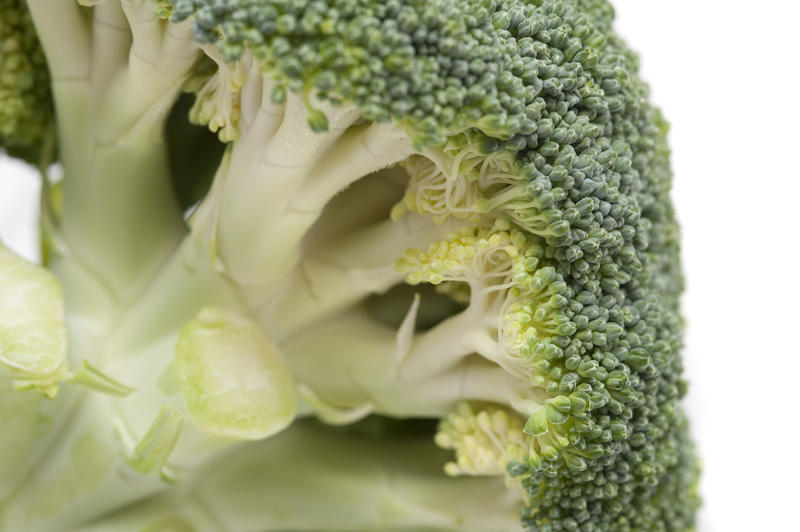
(725, 74)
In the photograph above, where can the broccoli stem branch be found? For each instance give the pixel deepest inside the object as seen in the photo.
(119, 214)
(275, 190)
(442, 347)
(343, 271)
(110, 29)
(65, 37)
(353, 360)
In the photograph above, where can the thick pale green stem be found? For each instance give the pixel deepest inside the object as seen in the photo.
(390, 485)
(185, 284)
(123, 240)
(119, 216)
(294, 482)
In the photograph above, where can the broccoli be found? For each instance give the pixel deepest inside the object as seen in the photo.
(26, 111)
(317, 256)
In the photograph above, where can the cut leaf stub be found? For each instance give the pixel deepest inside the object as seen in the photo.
(33, 337)
(233, 378)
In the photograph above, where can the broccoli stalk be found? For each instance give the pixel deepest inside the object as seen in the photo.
(114, 78)
(393, 485)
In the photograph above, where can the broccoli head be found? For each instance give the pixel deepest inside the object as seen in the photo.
(447, 210)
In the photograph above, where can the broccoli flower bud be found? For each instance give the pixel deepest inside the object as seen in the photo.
(484, 441)
(217, 91)
(26, 109)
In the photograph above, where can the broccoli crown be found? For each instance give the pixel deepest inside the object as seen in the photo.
(25, 102)
(530, 131)
(546, 141)
(441, 67)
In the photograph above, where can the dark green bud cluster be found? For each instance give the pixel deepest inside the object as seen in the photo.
(618, 371)
(26, 109)
(440, 67)
(548, 84)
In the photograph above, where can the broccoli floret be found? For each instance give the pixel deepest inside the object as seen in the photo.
(501, 152)
(26, 110)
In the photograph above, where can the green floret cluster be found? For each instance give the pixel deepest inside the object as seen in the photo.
(442, 67)
(500, 155)
(25, 101)
(545, 100)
